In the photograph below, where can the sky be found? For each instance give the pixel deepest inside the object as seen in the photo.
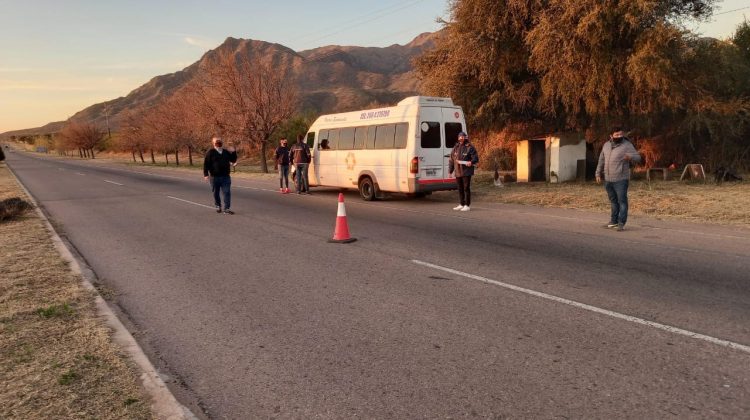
(60, 56)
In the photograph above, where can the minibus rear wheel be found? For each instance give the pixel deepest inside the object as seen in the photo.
(366, 189)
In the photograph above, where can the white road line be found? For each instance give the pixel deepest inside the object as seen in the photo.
(674, 330)
(255, 188)
(78, 173)
(113, 182)
(152, 174)
(191, 202)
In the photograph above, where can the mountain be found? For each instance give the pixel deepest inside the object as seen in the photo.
(331, 79)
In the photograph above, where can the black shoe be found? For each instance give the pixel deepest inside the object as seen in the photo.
(620, 227)
(218, 209)
(227, 211)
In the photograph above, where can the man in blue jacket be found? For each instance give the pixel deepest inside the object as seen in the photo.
(217, 164)
(615, 160)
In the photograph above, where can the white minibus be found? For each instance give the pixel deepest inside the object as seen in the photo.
(400, 149)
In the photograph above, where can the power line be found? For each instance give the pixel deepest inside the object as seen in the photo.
(352, 23)
(731, 11)
(373, 18)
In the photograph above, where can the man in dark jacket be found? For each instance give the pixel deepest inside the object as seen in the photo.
(463, 159)
(282, 164)
(300, 157)
(217, 164)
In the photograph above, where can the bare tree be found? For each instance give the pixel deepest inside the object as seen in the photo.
(247, 98)
(131, 135)
(84, 136)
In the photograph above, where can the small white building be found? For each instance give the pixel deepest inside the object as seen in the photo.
(555, 158)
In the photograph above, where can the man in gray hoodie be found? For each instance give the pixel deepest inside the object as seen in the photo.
(618, 154)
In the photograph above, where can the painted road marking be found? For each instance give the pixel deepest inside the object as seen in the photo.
(150, 173)
(256, 189)
(113, 182)
(78, 173)
(191, 202)
(674, 330)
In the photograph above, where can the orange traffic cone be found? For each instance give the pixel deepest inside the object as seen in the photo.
(341, 233)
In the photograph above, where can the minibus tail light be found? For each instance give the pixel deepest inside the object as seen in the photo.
(414, 167)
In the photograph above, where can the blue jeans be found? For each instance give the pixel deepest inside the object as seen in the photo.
(618, 197)
(302, 181)
(283, 176)
(222, 183)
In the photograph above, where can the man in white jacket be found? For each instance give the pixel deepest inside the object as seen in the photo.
(618, 154)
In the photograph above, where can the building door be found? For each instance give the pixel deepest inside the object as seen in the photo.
(537, 160)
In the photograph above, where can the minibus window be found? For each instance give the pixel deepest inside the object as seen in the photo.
(322, 137)
(346, 142)
(333, 140)
(430, 135)
(371, 137)
(402, 134)
(310, 139)
(451, 134)
(360, 136)
(385, 135)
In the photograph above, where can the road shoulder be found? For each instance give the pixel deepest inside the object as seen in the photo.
(64, 351)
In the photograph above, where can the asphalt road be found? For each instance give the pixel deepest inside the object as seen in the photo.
(505, 311)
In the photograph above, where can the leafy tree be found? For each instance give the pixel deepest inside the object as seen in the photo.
(525, 67)
(289, 129)
(741, 39)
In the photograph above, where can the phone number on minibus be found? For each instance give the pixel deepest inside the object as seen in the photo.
(375, 114)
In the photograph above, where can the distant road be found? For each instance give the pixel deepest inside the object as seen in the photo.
(505, 311)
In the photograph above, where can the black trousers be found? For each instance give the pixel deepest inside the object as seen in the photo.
(464, 190)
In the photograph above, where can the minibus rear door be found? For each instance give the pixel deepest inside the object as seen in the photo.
(430, 149)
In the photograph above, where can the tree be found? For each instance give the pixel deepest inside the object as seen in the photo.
(527, 68)
(83, 136)
(246, 98)
(290, 128)
(131, 134)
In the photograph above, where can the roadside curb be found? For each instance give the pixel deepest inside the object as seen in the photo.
(163, 403)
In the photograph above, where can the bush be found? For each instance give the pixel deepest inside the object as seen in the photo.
(13, 207)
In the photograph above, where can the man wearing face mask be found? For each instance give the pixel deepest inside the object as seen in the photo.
(462, 161)
(216, 168)
(615, 160)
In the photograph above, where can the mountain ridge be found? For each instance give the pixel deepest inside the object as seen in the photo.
(332, 78)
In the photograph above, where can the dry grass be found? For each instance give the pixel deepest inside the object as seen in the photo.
(728, 203)
(700, 202)
(56, 357)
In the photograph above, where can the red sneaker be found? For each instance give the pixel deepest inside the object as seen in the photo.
(281, 190)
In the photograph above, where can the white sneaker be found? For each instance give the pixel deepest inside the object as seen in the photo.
(458, 207)
(465, 208)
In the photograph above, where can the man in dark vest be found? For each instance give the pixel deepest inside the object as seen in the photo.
(462, 162)
(216, 168)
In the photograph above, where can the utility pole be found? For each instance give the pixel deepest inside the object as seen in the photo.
(106, 116)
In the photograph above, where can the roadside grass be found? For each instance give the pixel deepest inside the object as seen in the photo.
(727, 203)
(56, 356)
(700, 202)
